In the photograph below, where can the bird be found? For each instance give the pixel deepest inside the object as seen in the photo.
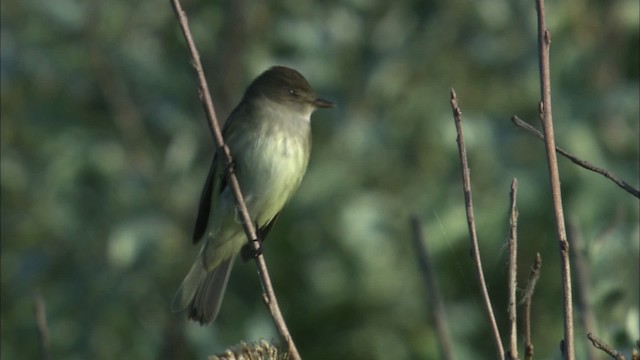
(269, 136)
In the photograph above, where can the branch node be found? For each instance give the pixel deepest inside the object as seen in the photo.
(547, 37)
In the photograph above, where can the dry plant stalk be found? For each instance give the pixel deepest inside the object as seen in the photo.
(546, 118)
(534, 275)
(433, 292)
(468, 200)
(513, 262)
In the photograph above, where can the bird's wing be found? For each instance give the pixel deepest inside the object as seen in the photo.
(204, 209)
(264, 231)
(216, 181)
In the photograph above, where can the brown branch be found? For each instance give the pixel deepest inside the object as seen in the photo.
(601, 345)
(546, 118)
(433, 293)
(584, 164)
(269, 295)
(534, 275)
(466, 183)
(582, 281)
(513, 263)
(41, 321)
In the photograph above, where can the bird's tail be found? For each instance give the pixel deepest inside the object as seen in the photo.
(202, 291)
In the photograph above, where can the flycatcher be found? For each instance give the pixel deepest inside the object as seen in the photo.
(269, 135)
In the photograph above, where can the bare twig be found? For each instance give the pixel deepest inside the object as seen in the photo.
(435, 300)
(599, 344)
(582, 278)
(534, 275)
(609, 175)
(513, 264)
(546, 118)
(466, 183)
(41, 320)
(224, 151)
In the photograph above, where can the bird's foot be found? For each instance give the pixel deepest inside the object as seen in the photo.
(230, 168)
(249, 251)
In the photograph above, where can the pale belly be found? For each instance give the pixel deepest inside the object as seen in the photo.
(269, 173)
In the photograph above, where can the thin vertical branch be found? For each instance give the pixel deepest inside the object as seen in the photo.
(224, 151)
(534, 275)
(544, 42)
(433, 292)
(513, 264)
(41, 321)
(582, 279)
(466, 183)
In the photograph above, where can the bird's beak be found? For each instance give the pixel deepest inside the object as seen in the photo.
(322, 103)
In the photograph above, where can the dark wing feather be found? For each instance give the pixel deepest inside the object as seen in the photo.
(264, 231)
(204, 208)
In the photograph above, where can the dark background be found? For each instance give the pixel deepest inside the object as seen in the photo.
(105, 149)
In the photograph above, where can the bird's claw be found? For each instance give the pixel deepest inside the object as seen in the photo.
(249, 252)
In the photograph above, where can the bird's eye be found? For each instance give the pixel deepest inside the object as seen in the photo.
(291, 91)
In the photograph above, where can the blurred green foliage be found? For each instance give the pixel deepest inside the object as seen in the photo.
(105, 148)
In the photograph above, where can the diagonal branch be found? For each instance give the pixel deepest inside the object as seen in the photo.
(466, 184)
(269, 295)
(601, 345)
(546, 118)
(621, 183)
(435, 300)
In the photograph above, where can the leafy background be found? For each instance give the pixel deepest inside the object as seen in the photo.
(105, 148)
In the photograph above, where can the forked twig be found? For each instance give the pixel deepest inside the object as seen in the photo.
(466, 184)
(584, 164)
(224, 151)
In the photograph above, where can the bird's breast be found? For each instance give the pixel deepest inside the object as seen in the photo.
(273, 167)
